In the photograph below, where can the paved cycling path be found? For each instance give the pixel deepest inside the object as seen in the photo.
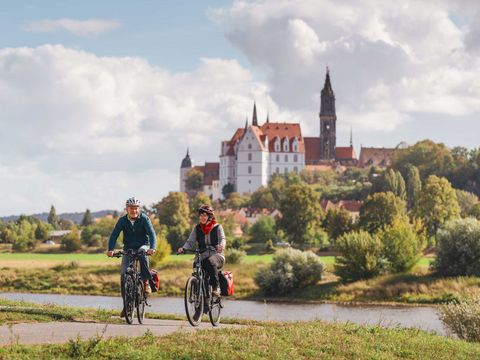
(60, 332)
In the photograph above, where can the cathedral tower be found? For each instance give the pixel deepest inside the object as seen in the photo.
(328, 121)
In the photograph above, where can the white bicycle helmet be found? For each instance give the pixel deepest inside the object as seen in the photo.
(133, 201)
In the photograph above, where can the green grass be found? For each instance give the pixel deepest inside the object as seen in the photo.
(313, 340)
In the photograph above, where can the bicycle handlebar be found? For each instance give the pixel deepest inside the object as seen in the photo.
(129, 252)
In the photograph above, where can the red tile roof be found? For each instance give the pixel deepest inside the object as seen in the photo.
(211, 172)
(312, 149)
(345, 152)
(283, 130)
(231, 144)
(375, 156)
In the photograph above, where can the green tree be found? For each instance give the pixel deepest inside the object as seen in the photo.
(414, 186)
(173, 213)
(263, 230)
(53, 218)
(337, 222)
(236, 201)
(429, 157)
(301, 211)
(401, 247)
(436, 204)
(194, 180)
(466, 201)
(262, 198)
(360, 256)
(87, 218)
(380, 210)
(198, 200)
(72, 242)
(42, 231)
(475, 211)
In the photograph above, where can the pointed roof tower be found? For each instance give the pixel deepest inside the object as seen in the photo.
(254, 116)
(246, 124)
(351, 137)
(186, 162)
(327, 103)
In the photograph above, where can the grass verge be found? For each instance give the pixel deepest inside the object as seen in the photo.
(313, 340)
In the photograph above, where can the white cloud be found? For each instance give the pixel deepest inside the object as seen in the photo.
(77, 27)
(388, 60)
(84, 130)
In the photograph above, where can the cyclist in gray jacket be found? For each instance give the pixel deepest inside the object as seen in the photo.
(209, 237)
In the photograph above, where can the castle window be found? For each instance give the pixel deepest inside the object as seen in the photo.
(285, 145)
(249, 169)
(286, 158)
(249, 146)
(249, 157)
(278, 158)
(295, 158)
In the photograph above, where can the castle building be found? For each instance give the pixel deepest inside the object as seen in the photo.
(255, 152)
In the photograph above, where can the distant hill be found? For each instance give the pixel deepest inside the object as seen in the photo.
(75, 217)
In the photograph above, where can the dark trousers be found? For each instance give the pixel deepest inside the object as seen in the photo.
(144, 270)
(211, 271)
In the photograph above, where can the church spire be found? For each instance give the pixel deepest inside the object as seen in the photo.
(327, 104)
(254, 116)
(246, 124)
(351, 137)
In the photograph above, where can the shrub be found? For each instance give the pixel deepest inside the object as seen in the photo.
(290, 269)
(269, 246)
(234, 256)
(463, 319)
(163, 251)
(360, 256)
(401, 247)
(237, 243)
(458, 251)
(72, 241)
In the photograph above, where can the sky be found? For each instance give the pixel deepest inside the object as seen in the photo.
(100, 100)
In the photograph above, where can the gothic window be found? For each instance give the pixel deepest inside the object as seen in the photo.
(249, 169)
(277, 144)
(249, 157)
(285, 145)
(295, 158)
(286, 158)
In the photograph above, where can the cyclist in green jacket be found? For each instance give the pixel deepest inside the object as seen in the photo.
(138, 234)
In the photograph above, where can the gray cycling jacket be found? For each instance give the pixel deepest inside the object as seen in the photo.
(191, 243)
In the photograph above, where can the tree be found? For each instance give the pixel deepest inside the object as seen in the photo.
(414, 186)
(380, 210)
(301, 211)
(198, 200)
(262, 198)
(436, 204)
(401, 247)
(430, 159)
(72, 242)
(194, 180)
(337, 222)
(42, 231)
(87, 218)
(53, 218)
(173, 213)
(263, 229)
(466, 201)
(360, 256)
(236, 201)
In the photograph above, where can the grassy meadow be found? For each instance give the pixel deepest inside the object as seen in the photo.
(311, 340)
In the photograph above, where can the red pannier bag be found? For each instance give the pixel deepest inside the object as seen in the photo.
(226, 283)
(156, 279)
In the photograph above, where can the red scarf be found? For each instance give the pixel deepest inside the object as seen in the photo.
(206, 228)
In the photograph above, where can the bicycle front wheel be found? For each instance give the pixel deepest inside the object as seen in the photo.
(193, 301)
(141, 302)
(130, 295)
(215, 310)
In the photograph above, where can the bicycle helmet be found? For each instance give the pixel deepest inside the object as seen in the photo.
(133, 201)
(206, 209)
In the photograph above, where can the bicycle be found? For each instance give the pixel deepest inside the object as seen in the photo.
(198, 295)
(133, 286)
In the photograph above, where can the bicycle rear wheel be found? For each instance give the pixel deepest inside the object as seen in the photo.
(215, 310)
(129, 297)
(193, 301)
(141, 302)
